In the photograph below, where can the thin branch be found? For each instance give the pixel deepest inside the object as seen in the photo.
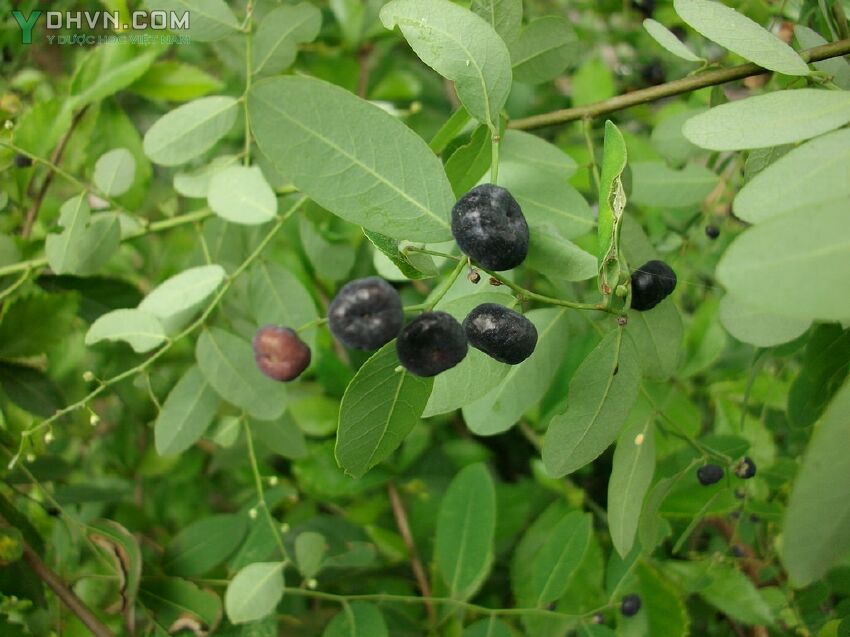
(676, 87)
(404, 528)
(55, 158)
(63, 592)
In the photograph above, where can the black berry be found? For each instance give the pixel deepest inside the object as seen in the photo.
(501, 333)
(366, 314)
(489, 226)
(709, 474)
(712, 232)
(431, 343)
(653, 282)
(22, 161)
(746, 468)
(280, 353)
(630, 605)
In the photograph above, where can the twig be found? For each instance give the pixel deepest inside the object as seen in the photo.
(676, 87)
(404, 528)
(364, 56)
(63, 592)
(55, 158)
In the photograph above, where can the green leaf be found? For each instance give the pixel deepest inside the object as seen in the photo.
(123, 548)
(477, 373)
(310, 549)
(204, 544)
(279, 34)
(178, 298)
(727, 589)
(593, 82)
(655, 184)
(254, 592)
(352, 158)
(519, 147)
(175, 81)
(35, 324)
(817, 522)
(379, 408)
(459, 46)
(505, 16)
(107, 69)
(209, 20)
(792, 265)
(490, 627)
(667, 137)
(600, 396)
(739, 34)
(190, 130)
(811, 174)
(227, 363)
(657, 336)
(30, 389)
(278, 298)
(141, 330)
(241, 194)
(114, 172)
(544, 50)
(824, 368)
(282, 436)
(196, 183)
(408, 264)
(663, 612)
(631, 475)
(469, 163)
(525, 383)
(780, 117)
(360, 620)
(762, 329)
(669, 41)
(612, 203)
(837, 67)
(186, 413)
(559, 557)
(82, 247)
(558, 258)
(466, 525)
(172, 598)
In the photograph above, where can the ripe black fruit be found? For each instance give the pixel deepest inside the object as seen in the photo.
(431, 343)
(712, 232)
(653, 282)
(746, 468)
(499, 332)
(630, 605)
(366, 313)
(280, 353)
(489, 226)
(22, 161)
(709, 474)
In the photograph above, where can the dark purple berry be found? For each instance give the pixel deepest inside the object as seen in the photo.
(652, 283)
(630, 605)
(709, 474)
(280, 353)
(489, 226)
(366, 314)
(746, 468)
(431, 343)
(712, 232)
(23, 161)
(501, 333)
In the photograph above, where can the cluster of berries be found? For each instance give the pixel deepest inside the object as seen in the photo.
(711, 473)
(489, 227)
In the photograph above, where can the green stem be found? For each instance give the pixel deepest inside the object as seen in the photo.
(434, 253)
(494, 158)
(440, 292)
(587, 129)
(261, 494)
(549, 300)
(249, 41)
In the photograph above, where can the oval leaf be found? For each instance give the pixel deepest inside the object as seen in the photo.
(183, 293)
(655, 184)
(379, 408)
(280, 32)
(352, 158)
(204, 544)
(505, 16)
(762, 329)
(739, 34)
(114, 172)
(141, 330)
(781, 117)
(793, 265)
(186, 413)
(811, 174)
(254, 592)
(240, 194)
(600, 397)
(559, 557)
(459, 46)
(208, 19)
(466, 525)
(362, 619)
(190, 130)
(544, 50)
(278, 298)
(669, 41)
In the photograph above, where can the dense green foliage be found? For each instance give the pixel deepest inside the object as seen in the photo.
(672, 457)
